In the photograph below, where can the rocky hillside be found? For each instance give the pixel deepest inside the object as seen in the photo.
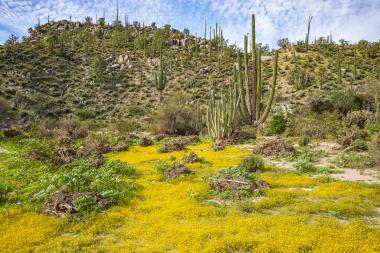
(106, 72)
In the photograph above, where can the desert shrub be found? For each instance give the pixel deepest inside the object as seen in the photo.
(69, 130)
(303, 141)
(358, 118)
(360, 144)
(12, 132)
(305, 166)
(355, 160)
(136, 111)
(252, 163)
(278, 123)
(340, 101)
(145, 141)
(42, 150)
(345, 101)
(191, 158)
(300, 78)
(275, 147)
(320, 105)
(373, 128)
(178, 143)
(176, 117)
(127, 126)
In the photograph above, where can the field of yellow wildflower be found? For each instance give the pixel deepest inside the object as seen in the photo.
(299, 213)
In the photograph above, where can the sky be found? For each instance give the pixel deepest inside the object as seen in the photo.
(352, 20)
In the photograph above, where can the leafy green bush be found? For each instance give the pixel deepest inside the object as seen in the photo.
(278, 123)
(252, 163)
(360, 144)
(106, 181)
(85, 204)
(120, 167)
(234, 171)
(4, 190)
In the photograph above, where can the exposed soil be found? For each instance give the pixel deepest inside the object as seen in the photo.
(333, 150)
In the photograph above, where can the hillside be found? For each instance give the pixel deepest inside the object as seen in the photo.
(52, 71)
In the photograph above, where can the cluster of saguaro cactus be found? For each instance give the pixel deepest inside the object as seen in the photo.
(245, 94)
(308, 33)
(221, 114)
(339, 67)
(160, 78)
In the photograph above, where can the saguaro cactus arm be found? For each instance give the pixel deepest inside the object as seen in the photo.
(271, 96)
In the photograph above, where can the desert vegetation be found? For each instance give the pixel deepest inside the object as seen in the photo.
(127, 137)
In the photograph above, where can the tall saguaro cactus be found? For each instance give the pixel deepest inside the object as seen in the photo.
(250, 104)
(308, 32)
(339, 67)
(160, 78)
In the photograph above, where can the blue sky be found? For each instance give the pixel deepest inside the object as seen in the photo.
(349, 19)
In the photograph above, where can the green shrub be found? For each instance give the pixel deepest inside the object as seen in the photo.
(161, 166)
(4, 190)
(305, 166)
(120, 167)
(104, 181)
(373, 128)
(355, 160)
(360, 144)
(234, 171)
(246, 206)
(303, 141)
(252, 163)
(176, 117)
(278, 123)
(85, 204)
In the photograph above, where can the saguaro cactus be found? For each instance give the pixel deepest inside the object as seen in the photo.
(160, 78)
(251, 94)
(339, 68)
(308, 33)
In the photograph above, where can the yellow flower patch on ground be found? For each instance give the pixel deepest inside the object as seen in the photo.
(169, 219)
